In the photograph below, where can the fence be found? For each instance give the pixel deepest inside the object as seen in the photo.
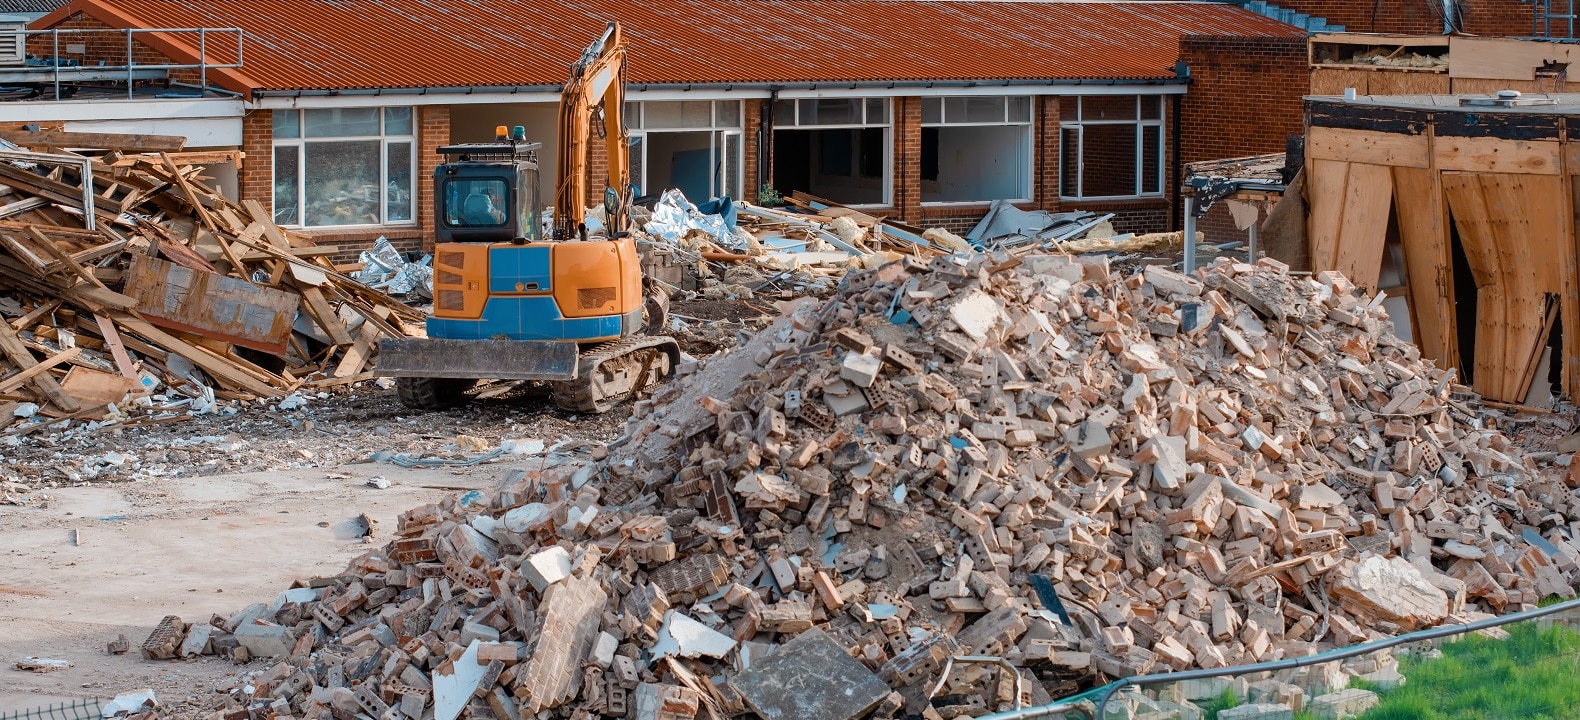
(80, 709)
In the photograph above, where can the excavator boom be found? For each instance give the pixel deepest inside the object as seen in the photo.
(596, 89)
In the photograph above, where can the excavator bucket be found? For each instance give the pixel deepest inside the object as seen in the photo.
(477, 359)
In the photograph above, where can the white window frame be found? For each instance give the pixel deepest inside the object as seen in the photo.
(1080, 124)
(887, 124)
(384, 139)
(719, 132)
(1026, 139)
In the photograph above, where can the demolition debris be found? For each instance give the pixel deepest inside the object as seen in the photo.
(123, 272)
(1029, 458)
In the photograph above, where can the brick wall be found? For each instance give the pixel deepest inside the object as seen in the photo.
(1418, 17)
(433, 130)
(1045, 144)
(907, 130)
(255, 181)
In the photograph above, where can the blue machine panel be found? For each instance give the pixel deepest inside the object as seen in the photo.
(518, 269)
(525, 318)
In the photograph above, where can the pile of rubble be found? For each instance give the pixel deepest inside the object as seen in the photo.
(122, 272)
(1076, 474)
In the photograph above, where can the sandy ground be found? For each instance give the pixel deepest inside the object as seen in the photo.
(192, 547)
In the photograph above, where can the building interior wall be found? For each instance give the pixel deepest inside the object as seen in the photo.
(846, 165)
(680, 160)
(976, 163)
(476, 123)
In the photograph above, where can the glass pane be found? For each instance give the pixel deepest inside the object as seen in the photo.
(831, 111)
(732, 165)
(287, 124)
(342, 182)
(633, 115)
(727, 113)
(638, 149)
(1069, 158)
(287, 171)
(784, 113)
(1151, 159)
(397, 121)
(1151, 107)
(984, 110)
(398, 191)
(679, 114)
(977, 163)
(1108, 107)
(954, 110)
(932, 110)
(1020, 109)
(877, 111)
(341, 122)
(1108, 160)
(1069, 109)
(475, 202)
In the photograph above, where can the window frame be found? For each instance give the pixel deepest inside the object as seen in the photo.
(1028, 145)
(866, 105)
(1079, 126)
(385, 140)
(719, 130)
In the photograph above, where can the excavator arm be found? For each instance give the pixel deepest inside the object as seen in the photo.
(597, 81)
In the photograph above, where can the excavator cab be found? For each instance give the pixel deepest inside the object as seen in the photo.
(488, 192)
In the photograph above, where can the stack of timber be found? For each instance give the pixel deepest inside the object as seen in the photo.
(122, 271)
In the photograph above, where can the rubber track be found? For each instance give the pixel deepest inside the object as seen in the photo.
(583, 394)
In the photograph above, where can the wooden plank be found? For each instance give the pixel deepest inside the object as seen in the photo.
(61, 256)
(318, 308)
(97, 141)
(1497, 155)
(13, 348)
(1368, 198)
(96, 388)
(21, 323)
(112, 339)
(220, 369)
(1328, 178)
(1505, 58)
(203, 214)
(23, 377)
(1367, 146)
(1429, 262)
(357, 355)
(219, 307)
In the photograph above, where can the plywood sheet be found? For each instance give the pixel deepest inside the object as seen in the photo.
(1349, 218)
(1466, 86)
(1429, 262)
(1522, 258)
(1504, 58)
(94, 388)
(1330, 81)
(1367, 146)
(216, 306)
(1409, 83)
(1497, 155)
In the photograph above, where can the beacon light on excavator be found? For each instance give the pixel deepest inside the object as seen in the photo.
(510, 304)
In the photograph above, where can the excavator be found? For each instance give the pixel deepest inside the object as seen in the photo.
(572, 310)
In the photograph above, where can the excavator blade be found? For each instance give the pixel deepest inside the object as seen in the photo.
(478, 359)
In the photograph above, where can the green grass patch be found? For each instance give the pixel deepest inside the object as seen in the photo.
(1211, 708)
(1533, 675)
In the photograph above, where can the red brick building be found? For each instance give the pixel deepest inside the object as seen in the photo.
(923, 110)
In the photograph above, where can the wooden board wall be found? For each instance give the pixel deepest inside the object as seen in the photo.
(1429, 262)
(1350, 202)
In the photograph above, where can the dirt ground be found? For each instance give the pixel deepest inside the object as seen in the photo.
(227, 523)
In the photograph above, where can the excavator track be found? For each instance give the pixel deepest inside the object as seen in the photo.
(608, 373)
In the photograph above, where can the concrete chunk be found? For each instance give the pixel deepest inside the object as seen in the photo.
(794, 682)
(547, 567)
(1346, 703)
(264, 640)
(1257, 711)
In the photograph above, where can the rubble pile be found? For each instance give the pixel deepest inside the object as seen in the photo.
(122, 272)
(1028, 458)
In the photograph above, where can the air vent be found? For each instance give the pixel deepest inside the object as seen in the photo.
(445, 277)
(594, 298)
(452, 259)
(453, 300)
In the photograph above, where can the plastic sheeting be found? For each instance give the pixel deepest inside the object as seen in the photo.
(386, 269)
(1004, 220)
(674, 218)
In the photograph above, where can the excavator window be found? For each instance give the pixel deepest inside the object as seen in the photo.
(476, 203)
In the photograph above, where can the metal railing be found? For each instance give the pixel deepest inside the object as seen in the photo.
(131, 71)
(80, 709)
(1095, 702)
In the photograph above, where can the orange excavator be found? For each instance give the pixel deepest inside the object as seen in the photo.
(570, 309)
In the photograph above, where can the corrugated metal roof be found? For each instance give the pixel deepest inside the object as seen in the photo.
(386, 44)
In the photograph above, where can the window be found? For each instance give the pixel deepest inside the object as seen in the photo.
(693, 145)
(475, 203)
(839, 149)
(344, 166)
(1111, 146)
(976, 149)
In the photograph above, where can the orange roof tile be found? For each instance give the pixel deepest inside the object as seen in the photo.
(388, 44)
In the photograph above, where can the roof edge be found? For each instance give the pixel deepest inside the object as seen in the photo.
(726, 86)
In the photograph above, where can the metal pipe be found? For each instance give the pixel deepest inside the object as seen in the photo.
(202, 61)
(1042, 711)
(1188, 235)
(130, 83)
